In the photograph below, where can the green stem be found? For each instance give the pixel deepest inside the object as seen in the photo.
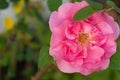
(109, 9)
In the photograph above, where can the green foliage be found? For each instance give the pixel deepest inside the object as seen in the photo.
(84, 13)
(20, 56)
(23, 27)
(14, 1)
(112, 4)
(6, 59)
(27, 1)
(3, 4)
(54, 4)
(27, 72)
(77, 0)
(95, 5)
(115, 64)
(38, 15)
(2, 42)
(118, 19)
(43, 57)
(11, 73)
(101, 75)
(29, 56)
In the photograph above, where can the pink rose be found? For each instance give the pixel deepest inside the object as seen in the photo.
(83, 46)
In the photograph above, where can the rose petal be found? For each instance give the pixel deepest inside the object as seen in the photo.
(67, 10)
(94, 53)
(86, 27)
(55, 22)
(57, 52)
(105, 64)
(69, 34)
(99, 17)
(107, 30)
(110, 48)
(66, 67)
(112, 23)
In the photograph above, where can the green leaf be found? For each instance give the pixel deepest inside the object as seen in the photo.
(27, 1)
(5, 61)
(3, 4)
(20, 54)
(11, 73)
(53, 4)
(115, 64)
(84, 13)
(29, 56)
(27, 72)
(112, 4)
(38, 15)
(2, 42)
(52, 60)
(77, 0)
(14, 1)
(118, 20)
(95, 5)
(43, 57)
(23, 27)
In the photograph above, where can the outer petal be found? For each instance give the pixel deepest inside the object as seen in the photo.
(57, 52)
(99, 17)
(58, 34)
(55, 22)
(110, 48)
(55, 40)
(106, 29)
(93, 61)
(112, 23)
(67, 10)
(66, 67)
(105, 64)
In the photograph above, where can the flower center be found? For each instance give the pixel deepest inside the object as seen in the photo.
(83, 38)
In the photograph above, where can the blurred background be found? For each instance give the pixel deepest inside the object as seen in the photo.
(24, 44)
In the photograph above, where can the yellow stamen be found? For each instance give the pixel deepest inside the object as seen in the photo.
(83, 38)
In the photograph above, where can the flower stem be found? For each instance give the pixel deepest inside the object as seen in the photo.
(109, 9)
